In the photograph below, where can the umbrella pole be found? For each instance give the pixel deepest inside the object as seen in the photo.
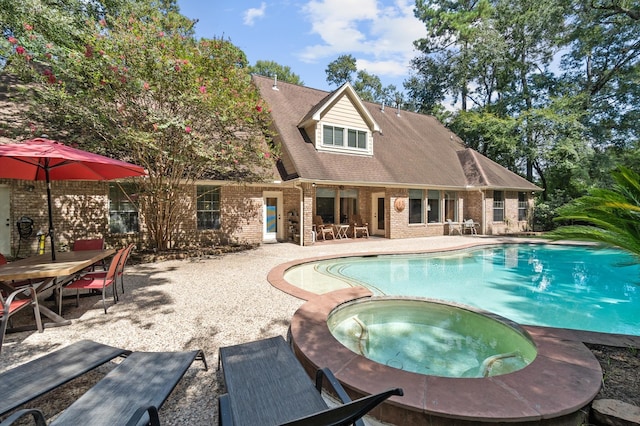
(51, 230)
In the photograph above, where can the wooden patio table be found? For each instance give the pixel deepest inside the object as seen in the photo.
(53, 273)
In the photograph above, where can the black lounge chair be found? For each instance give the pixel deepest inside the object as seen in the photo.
(35, 378)
(130, 394)
(266, 385)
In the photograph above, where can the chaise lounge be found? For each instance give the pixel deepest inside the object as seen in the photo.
(39, 376)
(130, 394)
(266, 385)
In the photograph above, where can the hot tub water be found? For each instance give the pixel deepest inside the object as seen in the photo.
(431, 337)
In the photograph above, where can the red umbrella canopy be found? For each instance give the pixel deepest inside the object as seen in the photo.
(30, 160)
(44, 159)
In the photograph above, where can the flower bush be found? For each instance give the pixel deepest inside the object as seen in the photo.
(143, 88)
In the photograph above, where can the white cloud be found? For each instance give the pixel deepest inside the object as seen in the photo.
(380, 34)
(250, 15)
(390, 68)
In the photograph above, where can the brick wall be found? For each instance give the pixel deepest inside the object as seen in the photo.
(80, 210)
(241, 214)
(399, 226)
(472, 208)
(511, 224)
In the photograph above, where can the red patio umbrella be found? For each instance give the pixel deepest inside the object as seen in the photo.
(47, 160)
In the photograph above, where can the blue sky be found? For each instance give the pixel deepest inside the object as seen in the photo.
(307, 35)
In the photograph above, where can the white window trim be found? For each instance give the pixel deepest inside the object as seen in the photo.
(344, 149)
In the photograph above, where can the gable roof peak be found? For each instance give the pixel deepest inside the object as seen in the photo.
(346, 89)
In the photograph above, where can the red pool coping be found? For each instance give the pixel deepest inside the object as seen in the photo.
(555, 388)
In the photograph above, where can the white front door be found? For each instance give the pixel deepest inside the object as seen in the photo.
(377, 213)
(272, 216)
(5, 221)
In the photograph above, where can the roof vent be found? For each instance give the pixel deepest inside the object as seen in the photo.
(275, 82)
(398, 110)
(382, 107)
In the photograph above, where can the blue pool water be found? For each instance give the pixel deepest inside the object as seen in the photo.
(550, 285)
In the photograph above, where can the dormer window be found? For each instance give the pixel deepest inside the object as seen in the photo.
(357, 139)
(333, 136)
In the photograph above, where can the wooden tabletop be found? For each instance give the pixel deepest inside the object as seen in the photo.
(42, 266)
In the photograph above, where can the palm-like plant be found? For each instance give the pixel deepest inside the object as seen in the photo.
(607, 216)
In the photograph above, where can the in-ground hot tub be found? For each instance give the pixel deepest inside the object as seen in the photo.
(554, 389)
(432, 337)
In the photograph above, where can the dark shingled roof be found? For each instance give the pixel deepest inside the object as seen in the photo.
(411, 149)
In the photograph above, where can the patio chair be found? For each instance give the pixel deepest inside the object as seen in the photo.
(97, 281)
(360, 226)
(11, 303)
(34, 378)
(121, 265)
(90, 244)
(130, 394)
(266, 385)
(453, 227)
(469, 225)
(322, 229)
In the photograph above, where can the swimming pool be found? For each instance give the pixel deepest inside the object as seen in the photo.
(573, 287)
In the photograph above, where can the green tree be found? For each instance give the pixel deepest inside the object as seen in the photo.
(273, 69)
(426, 88)
(603, 67)
(570, 121)
(368, 86)
(558, 151)
(453, 32)
(144, 89)
(608, 216)
(341, 70)
(489, 134)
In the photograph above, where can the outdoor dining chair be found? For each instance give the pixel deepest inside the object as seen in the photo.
(12, 303)
(90, 244)
(98, 281)
(120, 270)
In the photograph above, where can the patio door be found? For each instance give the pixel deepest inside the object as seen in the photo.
(272, 217)
(5, 221)
(377, 213)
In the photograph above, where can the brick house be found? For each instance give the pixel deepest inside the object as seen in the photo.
(405, 174)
